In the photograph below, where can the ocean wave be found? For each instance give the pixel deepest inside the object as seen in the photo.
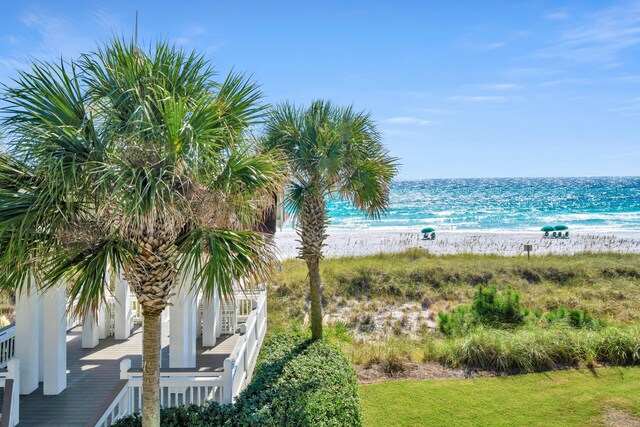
(518, 204)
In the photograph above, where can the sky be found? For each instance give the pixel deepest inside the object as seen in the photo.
(458, 89)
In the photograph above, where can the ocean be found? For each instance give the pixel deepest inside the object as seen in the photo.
(603, 204)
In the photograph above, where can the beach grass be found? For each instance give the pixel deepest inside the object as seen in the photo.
(561, 398)
(382, 294)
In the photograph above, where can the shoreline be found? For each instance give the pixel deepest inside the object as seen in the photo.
(371, 241)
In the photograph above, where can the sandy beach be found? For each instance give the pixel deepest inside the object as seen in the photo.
(372, 241)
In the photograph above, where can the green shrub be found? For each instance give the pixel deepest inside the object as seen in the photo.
(206, 415)
(572, 317)
(502, 310)
(490, 307)
(299, 383)
(295, 383)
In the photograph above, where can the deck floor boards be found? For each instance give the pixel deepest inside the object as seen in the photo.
(93, 373)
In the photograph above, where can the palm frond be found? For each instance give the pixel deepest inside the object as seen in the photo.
(221, 258)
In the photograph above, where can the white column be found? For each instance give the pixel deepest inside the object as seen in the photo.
(122, 308)
(199, 314)
(182, 342)
(90, 331)
(209, 322)
(55, 341)
(103, 321)
(217, 309)
(41, 347)
(28, 333)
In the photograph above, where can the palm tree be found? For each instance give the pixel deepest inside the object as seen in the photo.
(332, 151)
(140, 161)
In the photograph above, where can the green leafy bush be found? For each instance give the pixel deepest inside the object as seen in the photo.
(572, 317)
(490, 307)
(299, 383)
(295, 383)
(502, 310)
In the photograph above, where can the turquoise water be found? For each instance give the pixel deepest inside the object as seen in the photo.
(515, 204)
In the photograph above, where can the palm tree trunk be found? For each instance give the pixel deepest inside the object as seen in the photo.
(151, 347)
(312, 232)
(313, 264)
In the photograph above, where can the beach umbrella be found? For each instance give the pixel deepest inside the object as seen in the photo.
(428, 230)
(561, 227)
(547, 228)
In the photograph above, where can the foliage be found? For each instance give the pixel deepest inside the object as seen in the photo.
(207, 415)
(490, 307)
(103, 150)
(295, 383)
(502, 309)
(561, 398)
(138, 162)
(532, 348)
(604, 285)
(600, 287)
(573, 317)
(299, 383)
(332, 152)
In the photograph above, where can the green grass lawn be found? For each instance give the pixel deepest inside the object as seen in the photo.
(561, 398)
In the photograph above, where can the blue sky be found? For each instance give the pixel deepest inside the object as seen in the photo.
(459, 89)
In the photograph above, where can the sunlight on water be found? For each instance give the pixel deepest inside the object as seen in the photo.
(517, 204)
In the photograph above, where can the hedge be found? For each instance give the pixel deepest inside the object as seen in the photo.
(295, 383)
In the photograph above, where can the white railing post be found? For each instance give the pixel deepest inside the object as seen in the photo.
(125, 365)
(13, 373)
(227, 381)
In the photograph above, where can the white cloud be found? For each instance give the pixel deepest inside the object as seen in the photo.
(191, 34)
(556, 16)
(482, 98)
(436, 111)
(568, 81)
(628, 78)
(524, 72)
(56, 35)
(408, 121)
(630, 108)
(600, 37)
(500, 86)
(110, 22)
(11, 39)
(485, 47)
(12, 63)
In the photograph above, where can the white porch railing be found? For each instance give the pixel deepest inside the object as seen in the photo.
(10, 382)
(136, 313)
(245, 301)
(228, 317)
(185, 386)
(7, 344)
(238, 367)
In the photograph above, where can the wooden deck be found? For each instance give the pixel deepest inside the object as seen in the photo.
(93, 373)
